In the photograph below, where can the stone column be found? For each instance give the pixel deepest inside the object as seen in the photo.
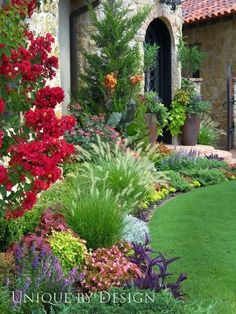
(197, 82)
(46, 20)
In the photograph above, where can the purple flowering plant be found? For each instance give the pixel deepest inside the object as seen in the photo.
(38, 271)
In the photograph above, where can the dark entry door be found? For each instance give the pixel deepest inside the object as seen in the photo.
(230, 103)
(160, 77)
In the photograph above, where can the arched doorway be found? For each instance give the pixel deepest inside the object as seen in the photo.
(159, 79)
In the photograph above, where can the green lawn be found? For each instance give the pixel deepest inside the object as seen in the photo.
(200, 226)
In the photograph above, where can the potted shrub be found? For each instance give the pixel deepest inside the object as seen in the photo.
(156, 115)
(185, 114)
(194, 109)
(190, 58)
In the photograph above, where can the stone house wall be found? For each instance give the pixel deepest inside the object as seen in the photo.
(173, 21)
(218, 40)
(54, 17)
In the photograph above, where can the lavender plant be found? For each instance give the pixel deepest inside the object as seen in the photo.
(38, 273)
(183, 160)
(155, 271)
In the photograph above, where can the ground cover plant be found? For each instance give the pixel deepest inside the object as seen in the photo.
(188, 170)
(199, 226)
(139, 302)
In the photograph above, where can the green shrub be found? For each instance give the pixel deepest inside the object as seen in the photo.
(182, 161)
(191, 58)
(5, 301)
(12, 230)
(69, 249)
(56, 194)
(119, 303)
(210, 132)
(178, 181)
(205, 177)
(131, 176)
(114, 31)
(96, 216)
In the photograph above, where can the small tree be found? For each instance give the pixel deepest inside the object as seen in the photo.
(114, 54)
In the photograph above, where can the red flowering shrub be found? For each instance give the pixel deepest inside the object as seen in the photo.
(31, 143)
(106, 268)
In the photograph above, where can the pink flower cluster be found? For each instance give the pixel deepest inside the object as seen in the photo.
(107, 268)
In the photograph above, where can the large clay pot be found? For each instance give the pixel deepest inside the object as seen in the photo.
(152, 127)
(190, 130)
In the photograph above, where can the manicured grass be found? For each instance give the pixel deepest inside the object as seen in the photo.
(200, 226)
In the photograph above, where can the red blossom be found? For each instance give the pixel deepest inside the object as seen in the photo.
(29, 201)
(49, 97)
(2, 105)
(34, 161)
(3, 175)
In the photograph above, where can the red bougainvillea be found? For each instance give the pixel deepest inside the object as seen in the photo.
(31, 136)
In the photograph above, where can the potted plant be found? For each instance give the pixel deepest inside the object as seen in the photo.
(194, 109)
(156, 115)
(185, 115)
(190, 58)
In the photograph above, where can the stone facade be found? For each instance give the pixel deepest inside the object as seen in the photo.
(54, 17)
(173, 21)
(218, 40)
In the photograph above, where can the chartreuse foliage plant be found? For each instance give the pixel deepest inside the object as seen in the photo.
(31, 144)
(177, 115)
(70, 250)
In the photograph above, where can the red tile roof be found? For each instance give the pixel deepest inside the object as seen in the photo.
(195, 11)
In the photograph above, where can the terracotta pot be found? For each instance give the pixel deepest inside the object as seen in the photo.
(152, 127)
(190, 130)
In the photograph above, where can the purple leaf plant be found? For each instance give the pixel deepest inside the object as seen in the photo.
(155, 270)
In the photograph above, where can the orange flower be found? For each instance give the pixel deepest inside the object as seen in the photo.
(110, 81)
(134, 80)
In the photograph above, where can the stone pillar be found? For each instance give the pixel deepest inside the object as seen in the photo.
(197, 82)
(46, 20)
